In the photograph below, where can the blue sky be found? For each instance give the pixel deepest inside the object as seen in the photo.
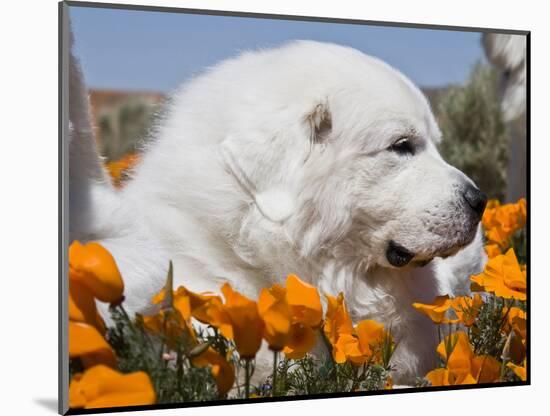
(136, 50)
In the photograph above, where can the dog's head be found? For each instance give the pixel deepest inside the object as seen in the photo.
(344, 155)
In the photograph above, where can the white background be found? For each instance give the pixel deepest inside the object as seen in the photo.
(29, 217)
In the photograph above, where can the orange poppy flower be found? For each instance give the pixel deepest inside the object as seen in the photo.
(101, 386)
(516, 329)
(514, 348)
(371, 337)
(503, 276)
(171, 314)
(216, 316)
(489, 215)
(277, 315)
(302, 339)
(502, 221)
(246, 323)
(366, 345)
(82, 306)
(347, 348)
(306, 316)
(512, 217)
(517, 319)
(118, 169)
(199, 304)
(440, 377)
(462, 365)
(169, 323)
(467, 308)
(457, 342)
(436, 311)
(492, 250)
(519, 370)
(459, 361)
(86, 343)
(93, 274)
(304, 301)
(222, 371)
(94, 267)
(355, 344)
(485, 369)
(337, 319)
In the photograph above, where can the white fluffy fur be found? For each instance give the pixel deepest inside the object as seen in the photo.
(276, 162)
(508, 54)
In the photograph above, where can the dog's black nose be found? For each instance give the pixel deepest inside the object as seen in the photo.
(475, 199)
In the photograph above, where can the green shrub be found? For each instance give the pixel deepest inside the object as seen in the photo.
(122, 127)
(474, 135)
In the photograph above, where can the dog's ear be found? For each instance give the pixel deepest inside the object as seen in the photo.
(320, 123)
(266, 165)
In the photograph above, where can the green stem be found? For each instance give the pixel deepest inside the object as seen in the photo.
(285, 370)
(333, 370)
(139, 325)
(179, 371)
(124, 313)
(162, 342)
(275, 362)
(508, 306)
(355, 383)
(502, 369)
(247, 378)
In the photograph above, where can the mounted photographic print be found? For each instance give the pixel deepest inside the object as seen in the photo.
(265, 207)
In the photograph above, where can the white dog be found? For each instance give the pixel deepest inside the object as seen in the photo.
(312, 159)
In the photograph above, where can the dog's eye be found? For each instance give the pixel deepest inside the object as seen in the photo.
(403, 146)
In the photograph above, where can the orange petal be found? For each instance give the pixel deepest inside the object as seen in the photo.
(503, 276)
(436, 311)
(337, 319)
(200, 303)
(82, 307)
(438, 377)
(182, 304)
(222, 371)
(466, 379)
(492, 250)
(458, 344)
(302, 340)
(486, 369)
(518, 370)
(93, 266)
(277, 315)
(517, 319)
(371, 336)
(101, 386)
(88, 344)
(246, 323)
(304, 300)
(118, 169)
(347, 349)
(467, 308)
(215, 314)
(171, 324)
